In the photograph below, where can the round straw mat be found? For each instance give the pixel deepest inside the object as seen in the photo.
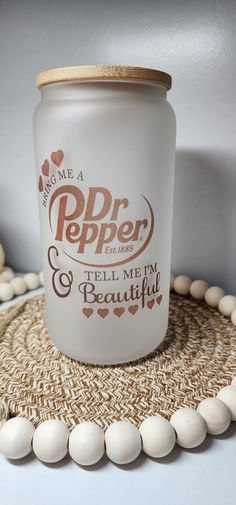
(195, 360)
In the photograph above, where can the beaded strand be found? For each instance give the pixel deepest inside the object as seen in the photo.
(122, 441)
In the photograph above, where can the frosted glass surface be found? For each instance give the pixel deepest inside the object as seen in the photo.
(105, 168)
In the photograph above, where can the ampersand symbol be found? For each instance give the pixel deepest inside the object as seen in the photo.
(61, 280)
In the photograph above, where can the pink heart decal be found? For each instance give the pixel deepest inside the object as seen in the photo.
(103, 312)
(133, 309)
(158, 299)
(40, 184)
(57, 157)
(150, 304)
(87, 312)
(119, 311)
(45, 168)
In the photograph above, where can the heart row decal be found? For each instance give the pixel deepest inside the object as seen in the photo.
(120, 311)
(56, 157)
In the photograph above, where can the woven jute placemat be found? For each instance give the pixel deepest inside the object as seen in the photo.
(195, 360)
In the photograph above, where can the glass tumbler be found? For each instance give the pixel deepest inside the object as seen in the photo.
(105, 148)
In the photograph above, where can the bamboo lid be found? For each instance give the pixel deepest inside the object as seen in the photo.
(104, 73)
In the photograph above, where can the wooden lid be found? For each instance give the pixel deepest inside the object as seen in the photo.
(104, 73)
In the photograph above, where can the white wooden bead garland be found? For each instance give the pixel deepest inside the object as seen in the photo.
(214, 296)
(227, 305)
(50, 441)
(123, 442)
(31, 280)
(11, 286)
(198, 289)
(156, 436)
(41, 278)
(228, 396)
(216, 414)
(182, 284)
(6, 291)
(6, 275)
(16, 437)
(190, 427)
(87, 443)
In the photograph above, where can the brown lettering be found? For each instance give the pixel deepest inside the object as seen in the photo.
(93, 192)
(88, 235)
(125, 231)
(103, 238)
(118, 202)
(138, 226)
(72, 231)
(62, 215)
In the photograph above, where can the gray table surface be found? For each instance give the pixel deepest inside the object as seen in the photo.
(205, 475)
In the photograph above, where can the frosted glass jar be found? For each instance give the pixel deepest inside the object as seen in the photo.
(105, 148)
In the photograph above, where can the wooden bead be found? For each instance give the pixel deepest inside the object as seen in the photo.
(233, 317)
(228, 396)
(172, 278)
(50, 441)
(198, 289)
(16, 438)
(213, 295)
(123, 442)
(32, 281)
(190, 427)
(87, 443)
(182, 284)
(6, 292)
(216, 414)
(158, 436)
(7, 275)
(41, 278)
(2, 256)
(19, 285)
(227, 305)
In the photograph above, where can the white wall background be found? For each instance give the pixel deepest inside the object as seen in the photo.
(195, 41)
